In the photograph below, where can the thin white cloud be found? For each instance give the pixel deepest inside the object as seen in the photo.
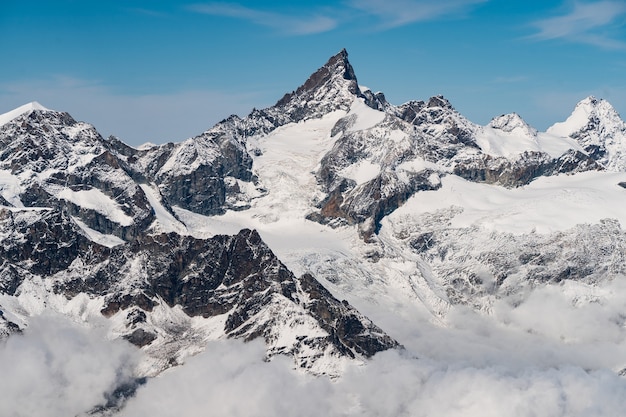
(394, 13)
(282, 23)
(591, 23)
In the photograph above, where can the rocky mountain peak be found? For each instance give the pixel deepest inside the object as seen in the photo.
(590, 113)
(513, 123)
(599, 129)
(334, 81)
(439, 101)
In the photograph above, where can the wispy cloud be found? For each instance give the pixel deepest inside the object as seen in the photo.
(593, 23)
(282, 23)
(394, 13)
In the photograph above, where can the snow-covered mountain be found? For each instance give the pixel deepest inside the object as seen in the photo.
(259, 226)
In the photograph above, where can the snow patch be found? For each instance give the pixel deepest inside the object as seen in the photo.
(167, 223)
(583, 198)
(577, 120)
(361, 172)
(366, 117)
(109, 241)
(10, 188)
(96, 200)
(146, 146)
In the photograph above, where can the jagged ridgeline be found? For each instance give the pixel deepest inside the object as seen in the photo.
(92, 219)
(80, 218)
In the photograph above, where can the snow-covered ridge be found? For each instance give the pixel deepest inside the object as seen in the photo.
(585, 110)
(599, 129)
(8, 116)
(509, 136)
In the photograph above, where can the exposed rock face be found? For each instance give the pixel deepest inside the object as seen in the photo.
(411, 147)
(524, 169)
(236, 276)
(56, 161)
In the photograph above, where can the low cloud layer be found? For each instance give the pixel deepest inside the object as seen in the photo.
(553, 351)
(60, 369)
(230, 378)
(554, 354)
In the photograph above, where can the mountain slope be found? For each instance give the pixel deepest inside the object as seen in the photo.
(419, 217)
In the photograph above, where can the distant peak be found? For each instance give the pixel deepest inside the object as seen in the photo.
(512, 122)
(26, 108)
(589, 109)
(439, 101)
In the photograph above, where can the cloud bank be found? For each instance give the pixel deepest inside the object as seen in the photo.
(553, 351)
(552, 355)
(59, 369)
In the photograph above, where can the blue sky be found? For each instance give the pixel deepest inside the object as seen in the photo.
(166, 70)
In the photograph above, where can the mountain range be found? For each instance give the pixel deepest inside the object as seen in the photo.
(276, 225)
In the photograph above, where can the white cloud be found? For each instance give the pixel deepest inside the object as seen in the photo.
(393, 13)
(553, 355)
(58, 369)
(282, 23)
(135, 119)
(589, 23)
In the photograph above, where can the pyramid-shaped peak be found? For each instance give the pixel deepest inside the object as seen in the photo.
(590, 111)
(512, 122)
(26, 108)
(34, 105)
(335, 79)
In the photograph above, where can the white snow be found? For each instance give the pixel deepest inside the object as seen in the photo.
(546, 205)
(576, 121)
(167, 223)
(109, 241)
(417, 164)
(596, 123)
(361, 172)
(189, 155)
(366, 117)
(8, 116)
(10, 188)
(96, 200)
(508, 136)
(146, 146)
(290, 156)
